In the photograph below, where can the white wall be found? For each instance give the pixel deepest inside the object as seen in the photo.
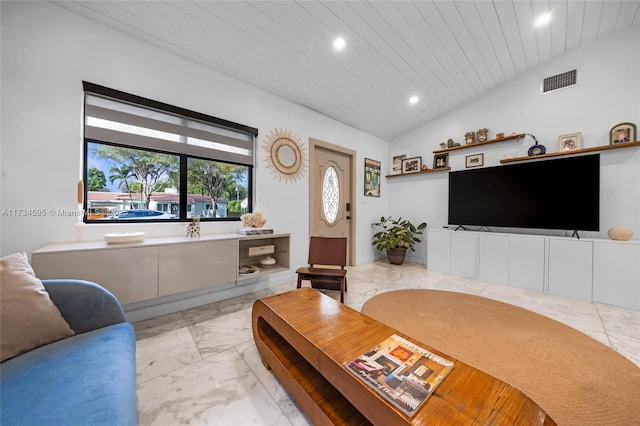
(608, 93)
(46, 54)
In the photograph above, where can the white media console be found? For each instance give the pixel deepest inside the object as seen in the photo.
(594, 270)
(167, 274)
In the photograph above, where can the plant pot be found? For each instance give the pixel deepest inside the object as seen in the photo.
(396, 255)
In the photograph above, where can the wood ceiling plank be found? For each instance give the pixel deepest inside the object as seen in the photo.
(575, 23)
(410, 48)
(608, 18)
(469, 60)
(447, 50)
(362, 58)
(489, 17)
(629, 14)
(543, 33)
(511, 34)
(526, 28)
(592, 12)
(558, 27)
(477, 46)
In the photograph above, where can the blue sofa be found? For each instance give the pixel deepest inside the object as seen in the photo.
(86, 379)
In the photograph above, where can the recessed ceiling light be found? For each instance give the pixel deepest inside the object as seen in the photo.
(339, 44)
(414, 100)
(543, 19)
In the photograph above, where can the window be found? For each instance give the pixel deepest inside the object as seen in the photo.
(149, 161)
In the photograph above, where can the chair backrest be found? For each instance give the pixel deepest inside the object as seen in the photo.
(328, 251)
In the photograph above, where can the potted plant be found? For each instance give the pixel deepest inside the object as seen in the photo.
(396, 237)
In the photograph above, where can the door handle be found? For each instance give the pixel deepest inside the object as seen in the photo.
(348, 217)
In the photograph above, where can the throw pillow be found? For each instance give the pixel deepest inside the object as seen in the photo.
(28, 317)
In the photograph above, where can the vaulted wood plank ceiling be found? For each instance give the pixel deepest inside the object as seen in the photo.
(445, 52)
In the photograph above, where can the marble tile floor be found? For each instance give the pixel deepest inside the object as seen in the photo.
(201, 367)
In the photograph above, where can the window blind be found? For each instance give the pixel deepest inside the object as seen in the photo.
(123, 118)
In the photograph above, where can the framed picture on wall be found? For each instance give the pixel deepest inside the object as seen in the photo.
(440, 161)
(396, 163)
(570, 142)
(412, 165)
(622, 133)
(475, 160)
(371, 178)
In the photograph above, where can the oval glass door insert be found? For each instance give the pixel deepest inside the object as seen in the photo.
(330, 194)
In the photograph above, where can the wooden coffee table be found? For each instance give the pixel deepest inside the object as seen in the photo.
(305, 338)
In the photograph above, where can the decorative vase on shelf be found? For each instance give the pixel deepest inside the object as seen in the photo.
(535, 149)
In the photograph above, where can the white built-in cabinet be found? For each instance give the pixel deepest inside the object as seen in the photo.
(616, 273)
(199, 264)
(571, 268)
(158, 267)
(493, 258)
(439, 250)
(602, 271)
(464, 262)
(131, 274)
(527, 256)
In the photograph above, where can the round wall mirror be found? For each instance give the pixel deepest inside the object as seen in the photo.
(285, 154)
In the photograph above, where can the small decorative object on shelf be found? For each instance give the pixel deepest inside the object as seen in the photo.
(452, 144)
(470, 137)
(124, 237)
(268, 262)
(482, 134)
(193, 228)
(425, 168)
(499, 136)
(622, 133)
(443, 145)
(253, 220)
(536, 149)
(248, 270)
(620, 234)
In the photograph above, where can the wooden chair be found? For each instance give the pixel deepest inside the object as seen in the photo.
(326, 254)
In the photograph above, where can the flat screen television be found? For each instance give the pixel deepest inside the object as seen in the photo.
(547, 194)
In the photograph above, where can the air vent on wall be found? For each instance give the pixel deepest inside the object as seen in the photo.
(559, 81)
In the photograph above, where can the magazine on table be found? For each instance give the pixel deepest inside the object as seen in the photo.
(402, 372)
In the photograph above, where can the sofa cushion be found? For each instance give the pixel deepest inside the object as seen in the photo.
(87, 379)
(28, 317)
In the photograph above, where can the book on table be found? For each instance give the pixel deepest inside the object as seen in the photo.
(401, 371)
(254, 231)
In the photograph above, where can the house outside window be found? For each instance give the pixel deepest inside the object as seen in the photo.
(149, 161)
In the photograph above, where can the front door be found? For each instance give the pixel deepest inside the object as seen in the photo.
(332, 211)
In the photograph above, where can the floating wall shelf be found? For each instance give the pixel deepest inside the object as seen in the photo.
(475, 144)
(444, 169)
(574, 151)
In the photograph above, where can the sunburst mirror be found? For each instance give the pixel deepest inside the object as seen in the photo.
(285, 155)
